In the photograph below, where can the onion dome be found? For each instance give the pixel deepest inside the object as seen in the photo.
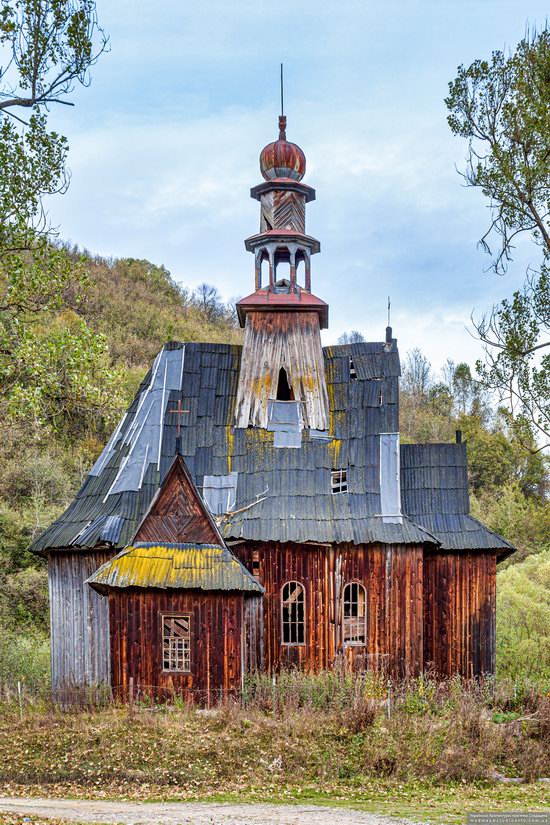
(282, 159)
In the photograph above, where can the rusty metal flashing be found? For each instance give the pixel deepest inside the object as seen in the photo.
(285, 185)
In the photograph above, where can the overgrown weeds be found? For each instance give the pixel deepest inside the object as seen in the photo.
(330, 729)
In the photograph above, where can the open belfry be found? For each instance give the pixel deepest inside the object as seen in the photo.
(254, 509)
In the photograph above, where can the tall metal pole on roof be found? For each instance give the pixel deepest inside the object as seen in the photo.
(282, 98)
(389, 310)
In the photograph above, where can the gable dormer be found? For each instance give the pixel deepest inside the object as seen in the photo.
(177, 513)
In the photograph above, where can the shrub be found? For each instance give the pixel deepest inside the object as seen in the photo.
(523, 619)
(25, 658)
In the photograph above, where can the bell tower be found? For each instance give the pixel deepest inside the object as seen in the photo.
(282, 358)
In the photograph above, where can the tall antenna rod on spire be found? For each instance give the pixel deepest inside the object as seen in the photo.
(282, 86)
(389, 310)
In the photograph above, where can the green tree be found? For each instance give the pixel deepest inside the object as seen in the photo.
(50, 46)
(523, 619)
(502, 107)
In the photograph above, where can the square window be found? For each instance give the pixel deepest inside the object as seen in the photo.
(176, 643)
(339, 481)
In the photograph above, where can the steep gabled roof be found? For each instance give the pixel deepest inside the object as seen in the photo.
(177, 512)
(434, 492)
(273, 494)
(294, 483)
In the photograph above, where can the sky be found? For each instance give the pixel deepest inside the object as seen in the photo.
(164, 148)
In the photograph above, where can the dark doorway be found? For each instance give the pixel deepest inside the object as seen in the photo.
(284, 390)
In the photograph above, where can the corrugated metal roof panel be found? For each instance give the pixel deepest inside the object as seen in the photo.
(175, 566)
(299, 504)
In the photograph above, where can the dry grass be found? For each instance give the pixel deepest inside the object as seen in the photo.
(327, 732)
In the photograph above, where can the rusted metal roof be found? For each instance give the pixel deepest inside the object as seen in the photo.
(282, 159)
(175, 566)
(263, 300)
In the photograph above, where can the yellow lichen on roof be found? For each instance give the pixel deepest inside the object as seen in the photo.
(230, 438)
(177, 566)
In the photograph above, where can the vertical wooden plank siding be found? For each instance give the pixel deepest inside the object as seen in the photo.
(282, 339)
(460, 613)
(79, 621)
(392, 576)
(217, 625)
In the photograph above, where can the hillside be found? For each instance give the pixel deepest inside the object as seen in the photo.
(70, 370)
(138, 307)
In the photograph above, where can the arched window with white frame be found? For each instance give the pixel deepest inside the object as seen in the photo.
(354, 614)
(293, 613)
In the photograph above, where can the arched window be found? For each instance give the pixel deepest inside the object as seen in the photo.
(293, 613)
(354, 614)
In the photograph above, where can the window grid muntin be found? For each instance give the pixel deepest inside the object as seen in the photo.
(293, 613)
(339, 481)
(354, 614)
(176, 642)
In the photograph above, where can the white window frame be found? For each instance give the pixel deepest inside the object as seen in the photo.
(339, 481)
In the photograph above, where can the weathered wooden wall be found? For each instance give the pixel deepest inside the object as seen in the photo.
(392, 576)
(79, 622)
(282, 339)
(217, 652)
(459, 613)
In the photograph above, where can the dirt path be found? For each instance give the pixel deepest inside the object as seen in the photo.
(188, 813)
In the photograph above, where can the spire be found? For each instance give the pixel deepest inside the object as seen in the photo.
(282, 243)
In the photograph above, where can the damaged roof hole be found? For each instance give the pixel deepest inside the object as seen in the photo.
(352, 372)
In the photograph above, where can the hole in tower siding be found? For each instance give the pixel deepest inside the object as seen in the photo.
(284, 389)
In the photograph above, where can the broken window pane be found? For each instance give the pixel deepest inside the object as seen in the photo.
(355, 614)
(176, 642)
(293, 613)
(339, 481)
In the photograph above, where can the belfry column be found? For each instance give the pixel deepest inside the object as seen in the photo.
(283, 319)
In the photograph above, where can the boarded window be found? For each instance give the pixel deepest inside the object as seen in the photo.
(355, 614)
(176, 643)
(339, 481)
(293, 613)
(256, 563)
(284, 419)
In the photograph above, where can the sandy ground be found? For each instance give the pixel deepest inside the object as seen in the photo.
(184, 813)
